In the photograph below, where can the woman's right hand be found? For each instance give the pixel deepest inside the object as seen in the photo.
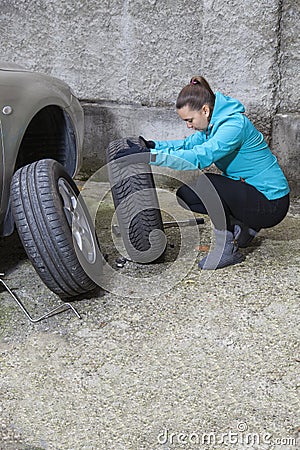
(148, 144)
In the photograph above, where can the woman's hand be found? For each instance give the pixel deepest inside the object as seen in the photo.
(141, 153)
(149, 144)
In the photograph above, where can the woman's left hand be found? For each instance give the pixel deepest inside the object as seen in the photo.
(141, 154)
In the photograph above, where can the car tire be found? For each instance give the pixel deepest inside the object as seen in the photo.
(55, 227)
(137, 208)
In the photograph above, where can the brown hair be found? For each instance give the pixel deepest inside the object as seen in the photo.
(196, 94)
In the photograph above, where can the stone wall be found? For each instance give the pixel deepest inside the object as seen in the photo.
(127, 60)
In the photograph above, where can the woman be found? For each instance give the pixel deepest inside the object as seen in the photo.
(252, 188)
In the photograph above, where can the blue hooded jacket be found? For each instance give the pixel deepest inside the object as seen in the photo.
(233, 144)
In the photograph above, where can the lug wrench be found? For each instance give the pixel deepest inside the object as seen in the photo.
(184, 223)
(180, 223)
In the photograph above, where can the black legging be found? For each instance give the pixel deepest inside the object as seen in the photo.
(240, 201)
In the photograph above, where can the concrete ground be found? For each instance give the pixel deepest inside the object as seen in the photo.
(211, 361)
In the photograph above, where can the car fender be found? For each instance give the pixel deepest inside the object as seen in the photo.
(23, 95)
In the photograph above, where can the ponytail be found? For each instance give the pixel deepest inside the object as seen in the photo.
(196, 94)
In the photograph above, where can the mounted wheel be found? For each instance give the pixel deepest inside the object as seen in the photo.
(137, 208)
(55, 228)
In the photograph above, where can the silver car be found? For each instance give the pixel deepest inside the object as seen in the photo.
(42, 128)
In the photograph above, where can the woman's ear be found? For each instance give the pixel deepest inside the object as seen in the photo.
(206, 110)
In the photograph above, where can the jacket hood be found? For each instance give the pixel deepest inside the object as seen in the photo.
(225, 106)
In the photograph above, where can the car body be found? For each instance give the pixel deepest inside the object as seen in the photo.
(40, 118)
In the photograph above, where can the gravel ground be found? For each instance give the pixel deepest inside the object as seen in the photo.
(212, 362)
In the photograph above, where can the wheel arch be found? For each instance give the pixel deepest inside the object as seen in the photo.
(50, 134)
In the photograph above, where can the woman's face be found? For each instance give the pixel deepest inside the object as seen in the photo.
(197, 120)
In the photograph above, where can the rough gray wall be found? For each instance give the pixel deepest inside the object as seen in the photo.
(139, 53)
(285, 132)
(286, 139)
(143, 51)
(289, 53)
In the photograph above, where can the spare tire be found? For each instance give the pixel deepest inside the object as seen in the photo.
(137, 208)
(54, 227)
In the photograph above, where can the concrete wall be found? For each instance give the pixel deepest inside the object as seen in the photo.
(128, 59)
(286, 137)
(288, 78)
